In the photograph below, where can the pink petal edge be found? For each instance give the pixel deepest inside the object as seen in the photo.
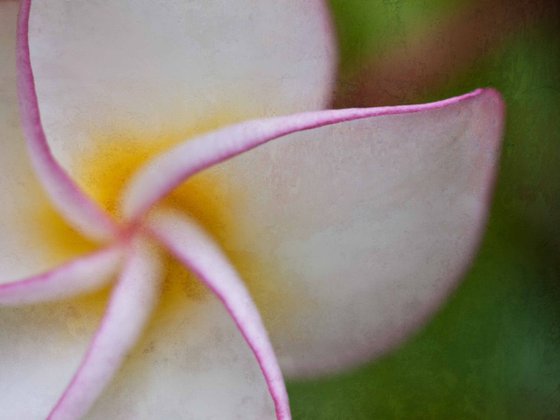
(128, 310)
(166, 171)
(81, 275)
(197, 251)
(69, 199)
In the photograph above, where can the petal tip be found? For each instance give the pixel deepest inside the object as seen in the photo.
(494, 100)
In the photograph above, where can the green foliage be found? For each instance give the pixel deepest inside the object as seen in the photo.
(364, 27)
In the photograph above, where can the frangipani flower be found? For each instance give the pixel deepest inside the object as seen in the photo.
(155, 131)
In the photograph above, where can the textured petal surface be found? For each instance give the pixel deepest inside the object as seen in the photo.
(351, 235)
(198, 252)
(192, 363)
(118, 70)
(165, 172)
(40, 348)
(66, 196)
(129, 307)
(40, 345)
(82, 275)
(32, 238)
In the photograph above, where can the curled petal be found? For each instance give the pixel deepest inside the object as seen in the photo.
(168, 170)
(82, 275)
(78, 208)
(350, 235)
(176, 68)
(33, 238)
(129, 307)
(197, 251)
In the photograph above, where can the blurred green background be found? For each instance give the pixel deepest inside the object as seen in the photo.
(493, 350)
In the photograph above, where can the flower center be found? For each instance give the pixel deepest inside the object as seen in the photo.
(206, 197)
(106, 172)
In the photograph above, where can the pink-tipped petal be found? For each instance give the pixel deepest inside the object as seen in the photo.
(192, 363)
(191, 245)
(32, 238)
(66, 196)
(82, 275)
(351, 235)
(168, 170)
(130, 305)
(175, 68)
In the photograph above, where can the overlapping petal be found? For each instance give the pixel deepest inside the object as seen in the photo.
(142, 70)
(128, 310)
(360, 229)
(33, 238)
(198, 252)
(191, 363)
(65, 194)
(168, 170)
(40, 345)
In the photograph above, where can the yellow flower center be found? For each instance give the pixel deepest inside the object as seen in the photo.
(205, 198)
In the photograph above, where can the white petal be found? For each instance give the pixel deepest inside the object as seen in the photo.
(40, 346)
(351, 235)
(168, 170)
(112, 69)
(192, 363)
(198, 252)
(66, 196)
(33, 238)
(128, 310)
